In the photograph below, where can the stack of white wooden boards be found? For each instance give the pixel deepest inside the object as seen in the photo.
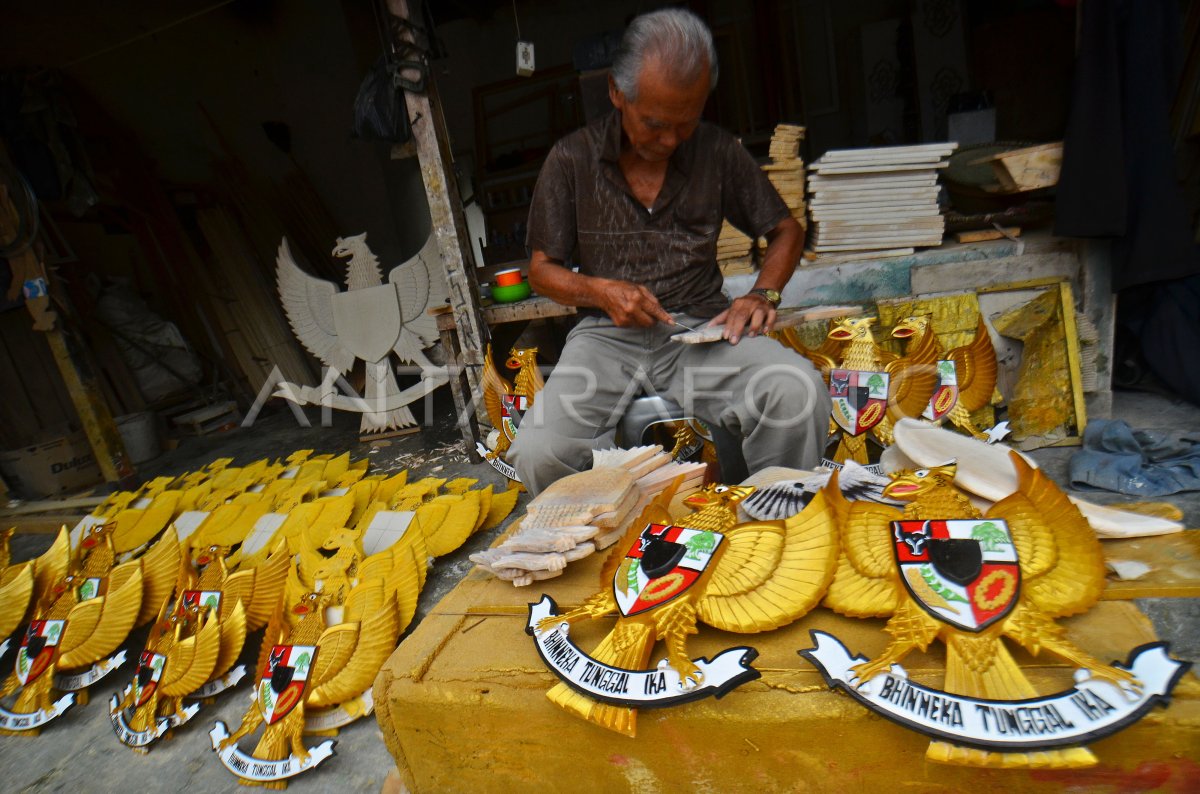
(877, 199)
(786, 172)
(583, 513)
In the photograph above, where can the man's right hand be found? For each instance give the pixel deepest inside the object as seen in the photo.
(630, 305)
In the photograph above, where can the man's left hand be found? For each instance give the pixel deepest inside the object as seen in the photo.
(749, 315)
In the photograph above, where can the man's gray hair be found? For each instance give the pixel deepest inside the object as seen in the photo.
(677, 37)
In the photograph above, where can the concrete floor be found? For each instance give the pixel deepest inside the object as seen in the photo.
(78, 752)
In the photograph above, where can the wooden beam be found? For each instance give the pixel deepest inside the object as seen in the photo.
(74, 364)
(81, 504)
(446, 213)
(94, 415)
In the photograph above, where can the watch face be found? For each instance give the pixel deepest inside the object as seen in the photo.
(772, 295)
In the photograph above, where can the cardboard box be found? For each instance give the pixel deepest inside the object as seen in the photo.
(50, 468)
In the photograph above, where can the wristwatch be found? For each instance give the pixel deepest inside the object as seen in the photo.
(772, 295)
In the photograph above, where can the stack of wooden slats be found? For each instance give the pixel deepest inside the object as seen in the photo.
(786, 172)
(786, 169)
(733, 251)
(877, 199)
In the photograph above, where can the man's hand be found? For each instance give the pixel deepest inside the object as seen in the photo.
(749, 315)
(753, 314)
(630, 305)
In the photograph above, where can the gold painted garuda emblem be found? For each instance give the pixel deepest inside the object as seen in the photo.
(870, 389)
(942, 570)
(507, 402)
(663, 578)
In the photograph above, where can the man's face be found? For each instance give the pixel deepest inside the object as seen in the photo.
(664, 114)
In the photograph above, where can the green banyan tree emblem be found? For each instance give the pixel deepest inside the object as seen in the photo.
(704, 543)
(55, 630)
(302, 664)
(211, 601)
(990, 536)
(875, 382)
(946, 370)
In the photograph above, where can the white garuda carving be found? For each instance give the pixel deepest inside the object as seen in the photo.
(370, 320)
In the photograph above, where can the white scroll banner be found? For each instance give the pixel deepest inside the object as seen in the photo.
(251, 768)
(78, 681)
(1092, 709)
(131, 738)
(219, 685)
(16, 721)
(339, 716)
(655, 688)
(498, 463)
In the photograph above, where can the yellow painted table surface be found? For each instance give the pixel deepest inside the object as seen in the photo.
(1174, 562)
(462, 707)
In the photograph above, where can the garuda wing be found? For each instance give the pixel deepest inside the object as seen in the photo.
(772, 572)
(365, 599)
(913, 379)
(15, 596)
(407, 577)
(495, 385)
(337, 645)
(96, 627)
(865, 581)
(416, 283)
(376, 640)
(187, 576)
(824, 357)
(308, 302)
(147, 523)
(51, 567)
(975, 369)
(233, 637)
(269, 580)
(160, 567)
(238, 587)
(191, 662)
(1043, 520)
(458, 524)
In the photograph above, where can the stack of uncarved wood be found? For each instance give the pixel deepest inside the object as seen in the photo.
(877, 199)
(786, 172)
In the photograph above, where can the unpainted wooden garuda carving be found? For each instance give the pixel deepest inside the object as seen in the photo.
(371, 320)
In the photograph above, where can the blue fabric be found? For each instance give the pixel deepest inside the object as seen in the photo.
(1145, 463)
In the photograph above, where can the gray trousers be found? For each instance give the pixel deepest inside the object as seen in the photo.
(764, 393)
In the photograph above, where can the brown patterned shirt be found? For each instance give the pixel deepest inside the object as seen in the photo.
(583, 204)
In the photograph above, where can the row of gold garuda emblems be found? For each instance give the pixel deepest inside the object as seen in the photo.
(976, 579)
(325, 559)
(871, 388)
